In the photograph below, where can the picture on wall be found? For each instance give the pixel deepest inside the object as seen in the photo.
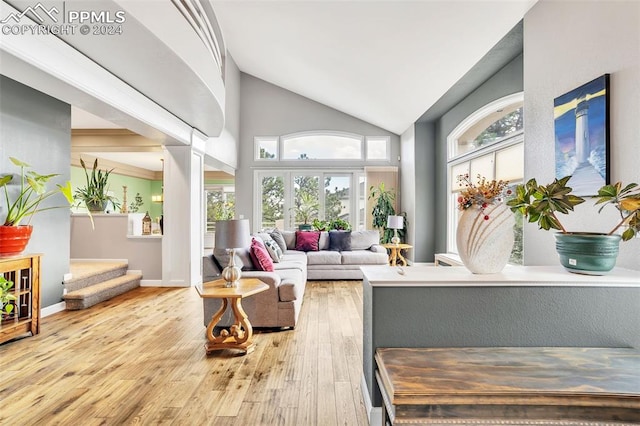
(581, 119)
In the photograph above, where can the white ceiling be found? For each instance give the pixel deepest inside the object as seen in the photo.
(385, 62)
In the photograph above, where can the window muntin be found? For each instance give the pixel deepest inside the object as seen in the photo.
(321, 147)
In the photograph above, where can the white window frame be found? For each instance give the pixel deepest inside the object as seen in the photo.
(388, 149)
(476, 116)
(256, 147)
(284, 138)
(288, 176)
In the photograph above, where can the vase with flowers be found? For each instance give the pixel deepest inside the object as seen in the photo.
(484, 236)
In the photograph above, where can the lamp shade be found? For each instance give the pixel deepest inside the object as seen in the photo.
(395, 222)
(232, 234)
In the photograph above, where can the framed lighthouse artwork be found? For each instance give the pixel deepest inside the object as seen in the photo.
(581, 123)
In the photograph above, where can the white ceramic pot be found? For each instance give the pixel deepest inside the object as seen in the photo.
(485, 238)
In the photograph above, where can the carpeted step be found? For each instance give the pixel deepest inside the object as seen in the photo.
(88, 296)
(86, 273)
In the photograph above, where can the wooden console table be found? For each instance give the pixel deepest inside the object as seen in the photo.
(24, 271)
(239, 334)
(509, 386)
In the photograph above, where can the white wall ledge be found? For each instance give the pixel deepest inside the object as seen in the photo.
(511, 276)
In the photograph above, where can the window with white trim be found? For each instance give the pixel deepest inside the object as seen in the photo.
(489, 143)
(322, 146)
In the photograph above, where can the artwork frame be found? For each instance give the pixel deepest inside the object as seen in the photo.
(581, 130)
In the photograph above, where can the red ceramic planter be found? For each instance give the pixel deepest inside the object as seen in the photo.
(14, 239)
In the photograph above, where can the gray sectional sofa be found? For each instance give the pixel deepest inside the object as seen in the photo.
(280, 305)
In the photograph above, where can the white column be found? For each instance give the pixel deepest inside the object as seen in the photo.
(182, 242)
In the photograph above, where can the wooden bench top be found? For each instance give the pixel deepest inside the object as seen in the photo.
(596, 378)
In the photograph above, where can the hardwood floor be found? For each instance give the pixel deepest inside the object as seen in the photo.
(139, 359)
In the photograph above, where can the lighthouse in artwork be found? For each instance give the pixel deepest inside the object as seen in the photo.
(583, 149)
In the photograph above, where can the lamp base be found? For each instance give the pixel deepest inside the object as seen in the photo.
(231, 273)
(395, 239)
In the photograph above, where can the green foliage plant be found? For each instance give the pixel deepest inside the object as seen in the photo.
(382, 209)
(340, 225)
(33, 191)
(306, 208)
(540, 203)
(135, 205)
(95, 192)
(6, 296)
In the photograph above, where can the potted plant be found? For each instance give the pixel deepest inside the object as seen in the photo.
(580, 252)
(32, 191)
(382, 209)
(94, 194)
(6, 297)
(306, 208)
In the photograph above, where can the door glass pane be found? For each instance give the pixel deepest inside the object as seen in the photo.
(221, 203)
(306, 203)
(272, 202)
(336, 197)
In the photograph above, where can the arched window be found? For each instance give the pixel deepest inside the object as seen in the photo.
(489, 143)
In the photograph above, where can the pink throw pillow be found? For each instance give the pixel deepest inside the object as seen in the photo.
(307, 240)
(260, 256)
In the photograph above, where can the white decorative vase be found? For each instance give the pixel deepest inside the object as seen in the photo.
(485, 238)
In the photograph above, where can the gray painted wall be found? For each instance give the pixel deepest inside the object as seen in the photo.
(431, 158)
(496, 316)
(596, 38)
(36, 128)
(269, 110)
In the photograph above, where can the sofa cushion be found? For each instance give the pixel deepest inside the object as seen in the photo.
(260, 256)
(340, 240)
(323, 242)
(307, 240)
(289, 240)
(362, 240)
(291, 286)
(363, 257)
(323, 257)
(279, 239)
(274, 250)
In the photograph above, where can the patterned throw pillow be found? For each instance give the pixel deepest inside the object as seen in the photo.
(307, 240)
(274, 250)
(260, 256)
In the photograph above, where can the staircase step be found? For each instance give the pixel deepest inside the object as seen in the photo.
(88, 296)
(86, 273)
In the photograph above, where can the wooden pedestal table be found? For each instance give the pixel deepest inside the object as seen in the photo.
(238, 336)
(395, 254)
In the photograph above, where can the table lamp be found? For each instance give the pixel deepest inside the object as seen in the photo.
(395, 223)
(232, 235)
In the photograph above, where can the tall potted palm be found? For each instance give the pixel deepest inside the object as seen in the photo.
(31, 192)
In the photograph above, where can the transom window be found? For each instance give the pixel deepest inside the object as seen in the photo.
(322, 146)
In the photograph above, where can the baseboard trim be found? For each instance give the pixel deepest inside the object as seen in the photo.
(53, 309)
(374, 413)
(152, 283)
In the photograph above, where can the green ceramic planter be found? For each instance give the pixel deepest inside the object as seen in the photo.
(587, 253)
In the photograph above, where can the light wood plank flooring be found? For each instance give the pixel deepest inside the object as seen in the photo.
(139, 359)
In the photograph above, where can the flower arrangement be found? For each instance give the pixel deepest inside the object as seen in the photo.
(482, 194)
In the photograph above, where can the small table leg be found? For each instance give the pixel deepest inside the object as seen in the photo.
(239, 334)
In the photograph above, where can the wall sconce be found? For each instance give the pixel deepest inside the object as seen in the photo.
(156, 198)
